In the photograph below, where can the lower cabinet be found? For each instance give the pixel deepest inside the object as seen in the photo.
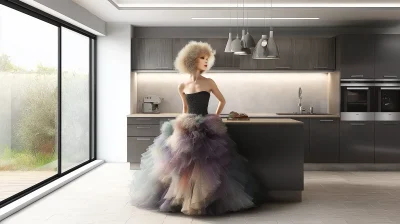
(357, 142)
(324, 140)
(387, 142)
(137, 146)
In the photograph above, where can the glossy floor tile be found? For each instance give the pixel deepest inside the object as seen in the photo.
(101, 196)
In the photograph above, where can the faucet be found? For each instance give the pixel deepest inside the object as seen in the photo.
(301, 109)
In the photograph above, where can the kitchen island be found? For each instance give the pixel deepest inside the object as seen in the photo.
(273, 147)
(275, 153)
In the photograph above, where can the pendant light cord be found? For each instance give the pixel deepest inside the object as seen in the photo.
(237, 18)
(243, 14)
(230, 17)
(265, 15)
(271, 16)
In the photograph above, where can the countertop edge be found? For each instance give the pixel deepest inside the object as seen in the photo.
(171, 115)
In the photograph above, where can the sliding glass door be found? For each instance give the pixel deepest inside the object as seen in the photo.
(28, 99)
(47, 99)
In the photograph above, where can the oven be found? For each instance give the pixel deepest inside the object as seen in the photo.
(358, 100)
(388, 101)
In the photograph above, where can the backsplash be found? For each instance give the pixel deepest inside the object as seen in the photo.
(244, 92)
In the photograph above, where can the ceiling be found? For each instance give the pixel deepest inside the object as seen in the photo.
(180, 12)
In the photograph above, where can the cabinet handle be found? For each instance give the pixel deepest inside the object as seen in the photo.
(390, 76)
(282, 67)
(357, 88)
(390, 123)
(143, 119)
(357, 76)
(143, 139)
(326, 120)
(162, 67)
(357, 124)
(142, 127)
(316, 67)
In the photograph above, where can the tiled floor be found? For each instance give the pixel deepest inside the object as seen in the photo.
(101, 196)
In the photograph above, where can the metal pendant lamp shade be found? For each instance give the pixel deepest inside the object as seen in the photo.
(243, 49)
(236, 46)
(248, 41)
(228, 48)
(260, 51)
(272, 48)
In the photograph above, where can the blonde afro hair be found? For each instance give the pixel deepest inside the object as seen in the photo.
(186, 61)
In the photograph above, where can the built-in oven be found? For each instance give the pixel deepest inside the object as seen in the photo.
(357, 100)
(388, 101)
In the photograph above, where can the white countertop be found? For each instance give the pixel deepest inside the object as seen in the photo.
(263, 121)
(251, 115)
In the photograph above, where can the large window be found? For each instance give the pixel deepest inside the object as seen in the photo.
(46, 100)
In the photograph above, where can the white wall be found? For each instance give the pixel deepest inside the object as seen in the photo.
(113, 92)
(71, 12)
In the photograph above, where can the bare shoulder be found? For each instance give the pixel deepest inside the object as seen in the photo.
(181, 87)
(211, 82)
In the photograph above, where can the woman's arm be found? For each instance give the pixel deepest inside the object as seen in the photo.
(183, 98)
(220, 97)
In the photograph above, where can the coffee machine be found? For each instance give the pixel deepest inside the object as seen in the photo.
(151, 103)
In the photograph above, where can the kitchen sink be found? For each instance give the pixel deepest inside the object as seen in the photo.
(297, 113)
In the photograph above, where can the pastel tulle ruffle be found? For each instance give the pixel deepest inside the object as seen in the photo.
(193, 167)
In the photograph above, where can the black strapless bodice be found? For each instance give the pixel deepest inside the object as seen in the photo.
(198, 102)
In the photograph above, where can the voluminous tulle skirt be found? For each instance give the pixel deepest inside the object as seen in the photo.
(193, 167)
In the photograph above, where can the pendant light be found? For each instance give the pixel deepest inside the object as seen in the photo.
(228, 48)
(272, 48)
(236, 45)
(260, 51)
(244, 50)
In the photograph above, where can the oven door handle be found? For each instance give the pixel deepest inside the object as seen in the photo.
(390, 88)
(357, 88)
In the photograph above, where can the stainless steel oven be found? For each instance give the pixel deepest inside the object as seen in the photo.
(358, 100)
(388, 101)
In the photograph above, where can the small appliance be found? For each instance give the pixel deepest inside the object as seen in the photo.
(151, 104)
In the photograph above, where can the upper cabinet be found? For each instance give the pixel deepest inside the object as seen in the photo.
(302, 57)
(356, 56)
(323, 52)
(148, 53)
(387, 54)
(296, 53)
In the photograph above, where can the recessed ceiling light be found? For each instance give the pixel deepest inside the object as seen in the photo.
(260, 18)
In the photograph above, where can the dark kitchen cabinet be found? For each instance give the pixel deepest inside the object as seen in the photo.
(302, 54)
(387, 142)
(357, 142)
(323, 52)
(248, 63)
(356, 56)
(152, 53)
(222, 60)
(285, 47)
(324, 140)
(387, 54)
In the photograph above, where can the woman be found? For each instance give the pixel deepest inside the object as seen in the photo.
(192, 166)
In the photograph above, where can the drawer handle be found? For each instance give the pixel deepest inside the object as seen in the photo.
(316, 67)
(283, 67)
(326, 120)
(162, 67)
(143, 119)
(357, 124)
(357, 88)
(390, 123)
(143, 139)
(357, 76)
(390, 76)
(142, 127)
